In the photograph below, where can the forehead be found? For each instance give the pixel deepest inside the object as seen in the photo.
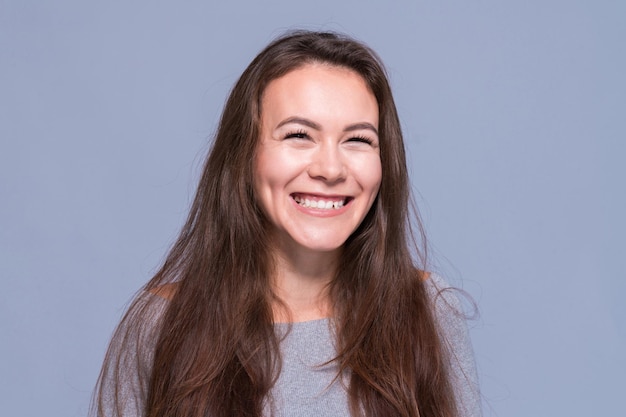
(313, 70)
(320, 90)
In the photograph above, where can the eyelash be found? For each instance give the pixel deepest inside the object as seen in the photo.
(301, 134)
(298, 134)
(361, 139)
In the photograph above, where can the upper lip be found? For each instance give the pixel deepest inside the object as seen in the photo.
(321, 196)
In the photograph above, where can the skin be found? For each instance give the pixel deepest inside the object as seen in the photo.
(318, 141)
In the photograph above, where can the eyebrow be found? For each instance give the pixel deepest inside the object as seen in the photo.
(316, 126)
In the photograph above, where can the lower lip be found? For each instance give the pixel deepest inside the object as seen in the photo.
(322, 212)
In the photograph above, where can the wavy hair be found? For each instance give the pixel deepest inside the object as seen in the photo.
(216, 352)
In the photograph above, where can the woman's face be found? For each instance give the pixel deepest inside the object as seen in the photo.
(317, 168)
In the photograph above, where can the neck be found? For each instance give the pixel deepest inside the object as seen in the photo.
(301, 281)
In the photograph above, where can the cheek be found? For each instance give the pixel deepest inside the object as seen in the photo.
(377, 176)
(272, 172)
(370, 173)
(267, 173)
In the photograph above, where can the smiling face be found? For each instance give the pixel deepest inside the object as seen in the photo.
(317, 168)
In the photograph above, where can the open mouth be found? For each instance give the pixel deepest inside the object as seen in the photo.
(325, 203)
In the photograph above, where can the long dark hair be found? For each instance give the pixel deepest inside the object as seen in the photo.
(216, 351)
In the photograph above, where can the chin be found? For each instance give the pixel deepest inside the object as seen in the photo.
(322, 247)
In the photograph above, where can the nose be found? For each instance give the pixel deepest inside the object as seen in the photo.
(327, 164)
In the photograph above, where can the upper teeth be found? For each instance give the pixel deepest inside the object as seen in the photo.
(320, 204)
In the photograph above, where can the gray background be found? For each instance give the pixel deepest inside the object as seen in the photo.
(514, 122)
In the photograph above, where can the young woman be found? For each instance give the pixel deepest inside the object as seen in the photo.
(292, 290)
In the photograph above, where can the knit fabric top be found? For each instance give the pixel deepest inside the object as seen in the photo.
(308, 385)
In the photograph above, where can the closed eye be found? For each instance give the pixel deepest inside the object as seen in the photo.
(299, 134)
(361, 139)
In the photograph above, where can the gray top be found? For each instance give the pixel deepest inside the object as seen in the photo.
(453, 327)
(306, 387)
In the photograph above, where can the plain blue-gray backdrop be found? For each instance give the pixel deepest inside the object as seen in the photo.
(514, 115)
